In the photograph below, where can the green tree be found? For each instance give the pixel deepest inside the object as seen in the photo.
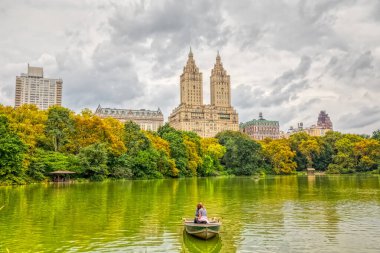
(144, 164)
(376, 135)
(134, 139)
(44, 162)
(93, 161)
(243, 155)
(12, 151)
(344, 160)
(165, 164)
(322, 159)
(212, 154)
(59, 126)
(178, 150)
(295, 141)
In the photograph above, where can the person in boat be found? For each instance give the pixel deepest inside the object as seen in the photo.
(202, 215)
(199, 206)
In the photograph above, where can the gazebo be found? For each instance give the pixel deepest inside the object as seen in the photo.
(310, 171)
(61, 175)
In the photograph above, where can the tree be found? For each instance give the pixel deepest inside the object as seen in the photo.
(376, 135)
(165, 164)
(12, 151)
(144, 164)
(93, 160)
(90, 129)
(243, 155)
(367, 154)
(280, 155)
(309, 148)
(295, 141)
(134, 138)
(28, 122)
(44, 162)
(192, 143)
(59, 126)
(344, 160)
(212, 154)
(178, 150)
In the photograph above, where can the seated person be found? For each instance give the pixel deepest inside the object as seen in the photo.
(202, 217)
(199, 206)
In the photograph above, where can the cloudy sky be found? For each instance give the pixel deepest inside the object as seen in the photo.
(288, 59)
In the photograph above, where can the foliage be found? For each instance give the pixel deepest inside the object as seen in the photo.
(33, 143)
(243, 155)
(90, 129)
(178, 150)
(376, 135)
(12, 151)
(165, 164)
(279, 154)
(59, 126)
(134, 138)
(44, 162)
(93, 161)
(309, 148)
(212, 154)
(295, 141)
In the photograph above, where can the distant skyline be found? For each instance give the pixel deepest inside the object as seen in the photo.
(287, 59)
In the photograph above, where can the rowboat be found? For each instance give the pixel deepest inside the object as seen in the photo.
(204, 231)
(192, 244)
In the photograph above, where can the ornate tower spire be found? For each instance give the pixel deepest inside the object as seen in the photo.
(218, 60)
(220, 85)
(191, 83)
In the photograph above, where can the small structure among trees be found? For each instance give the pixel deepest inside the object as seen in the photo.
(61, 175)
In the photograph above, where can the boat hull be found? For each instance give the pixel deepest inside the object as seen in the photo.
(203, 231)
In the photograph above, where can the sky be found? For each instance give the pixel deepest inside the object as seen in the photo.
(288, 59)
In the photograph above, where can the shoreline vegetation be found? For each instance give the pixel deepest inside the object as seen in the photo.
(34, 143)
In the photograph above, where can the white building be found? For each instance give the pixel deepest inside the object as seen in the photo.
(146, 119)
(33, 88)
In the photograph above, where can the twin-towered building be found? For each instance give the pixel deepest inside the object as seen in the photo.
(192, 114)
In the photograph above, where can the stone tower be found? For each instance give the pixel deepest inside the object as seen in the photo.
(192, 114)
(191, 83)
(324, 120)
(220, 85)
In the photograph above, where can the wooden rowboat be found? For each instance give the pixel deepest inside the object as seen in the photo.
(204, 231)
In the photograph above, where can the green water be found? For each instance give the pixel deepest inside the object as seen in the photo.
(275, 214)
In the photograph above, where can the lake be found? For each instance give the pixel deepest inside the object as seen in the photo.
(272, 214)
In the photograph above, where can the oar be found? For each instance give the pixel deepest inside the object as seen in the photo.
(2, 207)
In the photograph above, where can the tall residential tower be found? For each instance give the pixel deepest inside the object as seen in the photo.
(33, 88)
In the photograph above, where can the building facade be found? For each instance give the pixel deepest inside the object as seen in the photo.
(33, 88)
(192, 114)
(146, 119)
(259, 129)
(324, 121)
(323, 125)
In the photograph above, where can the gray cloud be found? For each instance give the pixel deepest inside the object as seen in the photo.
(365, 116)
(362, 63)
(284, 88)
(161, 32)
